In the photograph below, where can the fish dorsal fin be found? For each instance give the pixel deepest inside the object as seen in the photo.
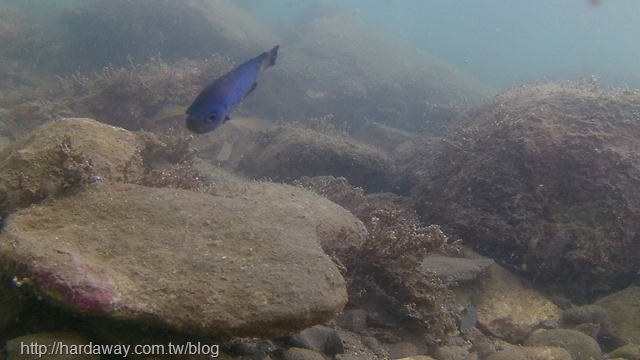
(253, 87)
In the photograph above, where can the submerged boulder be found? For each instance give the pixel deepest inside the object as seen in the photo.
(623, 308)
(544, 179)
(244, 263)
(287, 153)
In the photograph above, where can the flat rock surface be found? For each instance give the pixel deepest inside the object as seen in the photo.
(239, 265)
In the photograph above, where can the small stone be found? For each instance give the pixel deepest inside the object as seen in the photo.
(321, 339)
(579, 345)
(593, 314)
(592, 330)
(334, 345)
(375, 346)
(401, 350)
(532, 353)
(301, 354)
(509, 310)
(628, 352)
(450, 352)
(354, 320)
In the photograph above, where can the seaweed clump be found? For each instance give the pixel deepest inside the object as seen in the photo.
(398, 241)
(336, 189)
(168, 161)
(71, 168)
(67, 171)
(383, 272)
(137, 97)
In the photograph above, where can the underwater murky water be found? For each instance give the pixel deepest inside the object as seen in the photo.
(451, 179)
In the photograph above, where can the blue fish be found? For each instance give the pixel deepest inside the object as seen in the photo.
(217, 101)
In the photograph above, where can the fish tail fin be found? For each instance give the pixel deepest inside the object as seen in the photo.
(271, 57)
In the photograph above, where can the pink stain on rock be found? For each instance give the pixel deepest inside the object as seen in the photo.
(77, 284)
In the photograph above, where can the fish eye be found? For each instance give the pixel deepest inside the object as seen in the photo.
(212, 117)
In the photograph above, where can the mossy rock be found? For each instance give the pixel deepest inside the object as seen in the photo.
(545, 180)
(62, 155)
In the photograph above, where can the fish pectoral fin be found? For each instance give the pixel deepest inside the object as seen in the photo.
(253, 87)
(226, 118)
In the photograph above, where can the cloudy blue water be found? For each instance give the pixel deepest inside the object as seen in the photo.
(504, 42)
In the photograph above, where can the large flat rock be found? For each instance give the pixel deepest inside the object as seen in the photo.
(242, 264)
